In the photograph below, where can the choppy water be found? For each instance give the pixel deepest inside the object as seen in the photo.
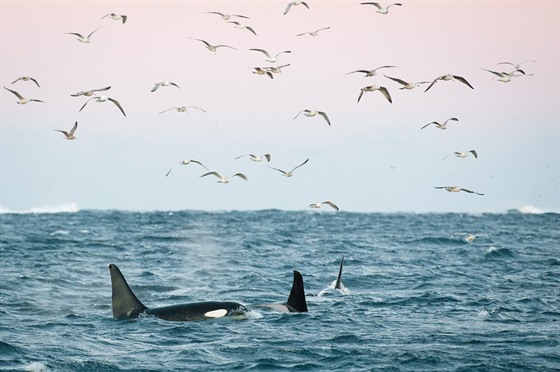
(418, 299)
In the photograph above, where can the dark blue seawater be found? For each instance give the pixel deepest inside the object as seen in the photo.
(419, 299)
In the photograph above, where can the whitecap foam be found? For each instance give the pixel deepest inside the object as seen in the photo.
(36, 367)
(63, 208)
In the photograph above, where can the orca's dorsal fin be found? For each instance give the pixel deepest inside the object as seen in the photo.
(296, 300)
(125, 303)
(338, 284)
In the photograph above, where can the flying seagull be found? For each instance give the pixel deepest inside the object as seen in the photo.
(89, 93)
(505, 77)
(69, 135)
(213, 48)
(289, 173)
(222, 179)
(295, 2)
(243, 27)
(80, 37)
(163, 84)
(369, 73)
(185, 162)
(116, 17)
(449, 77)
(256, 158)
(407, 85)
(314, 33)
(263, 71)
(22, 100)
(276, 69)
(26, 78)
(516, 66)
(182, 109)
(373, 88)
(381, 9)
(104, 99)
(310, 113)
(226, 17)
(269, 58)
(457, 189)
(463, 155)
(442, 126)
(328, 202)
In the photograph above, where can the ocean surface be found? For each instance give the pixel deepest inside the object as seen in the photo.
(417, 297)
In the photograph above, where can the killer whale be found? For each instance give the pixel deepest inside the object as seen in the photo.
(296, 300)
(126, 305)
(338, 284)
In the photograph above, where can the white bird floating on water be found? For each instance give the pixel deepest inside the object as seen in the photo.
(296, 2)
(381, 9)
(269, 58)
(449, 77)
(463, 155)
(373, 88)
(81, 38)
(89, 93)
(456, 189)
(164, 84)
(442, 126)
(505, 77)
(369, 73)
(407, 85)
(289, 173)
(22, 100)
(185, 162)
(226, 17)
(26, 78)
(256, 158)
(69, 135)
(243, 27)
(116, 17)
(314, 33)
(213, 48)
(311, 113)
(222, 179)
(328, 202)
(104, 99)
(182, 109)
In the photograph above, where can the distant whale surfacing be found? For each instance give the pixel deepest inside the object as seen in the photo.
(126, 305)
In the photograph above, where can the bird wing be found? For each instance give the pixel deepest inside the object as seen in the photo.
(302, 164)
(35, 81)
(63, 132)
(385, 92)
(361, 94)
(199, 163)
(433, 122)
(454, 119)
(397, 80)
(170, 169)
(288, 8)
(91, 33)
(172, 108)
(284, 51)
(101, 90)
(298, 114)
(251, 29)
(500, 74)
(214, 173)
(239, 15)
(463, 80)
(475, 154)
(175, 85)
(267, 156)
(397, 4)
(305, 4)
(241, 175)
(18, 79)
(74, 128)
(324, 114)
(227, 46)
(86, 103)
(324, 28)
(262, 51)
(74, 33)
(374, 4)
(14, 92)
(156, 87)
(279, 170)
(431, 84)
(124, 18)
(118, 105)
(330, 203)
(198, 108)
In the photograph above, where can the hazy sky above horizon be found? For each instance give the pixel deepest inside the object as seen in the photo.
(373, 158)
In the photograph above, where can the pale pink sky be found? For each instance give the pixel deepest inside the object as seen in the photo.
(372, 158)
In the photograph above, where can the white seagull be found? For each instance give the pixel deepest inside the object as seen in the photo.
(223, 179)
(89, 93)
(22, 100)
(69, 135)
(104, 99)
(182, 109)
(26, 78)
(457, 189)
(461, 154)
(213, 48)
(81, 38)
(373, 88)
(243, 27)
(295, 2)
(289, 173)
(276, 69)
(263, 71)
(380, 9)
(369, 73)
(185, 162)
(226, 17)
(449, 77)
(516, 66)
(328, 202)
(505, 77)
(407, 85)
(314, 33)
(442, 126)
(116, 17)
(311, 113)
(256, 158)
(163, 84)
(269, 58)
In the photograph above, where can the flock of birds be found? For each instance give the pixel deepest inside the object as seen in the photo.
(99, 95)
